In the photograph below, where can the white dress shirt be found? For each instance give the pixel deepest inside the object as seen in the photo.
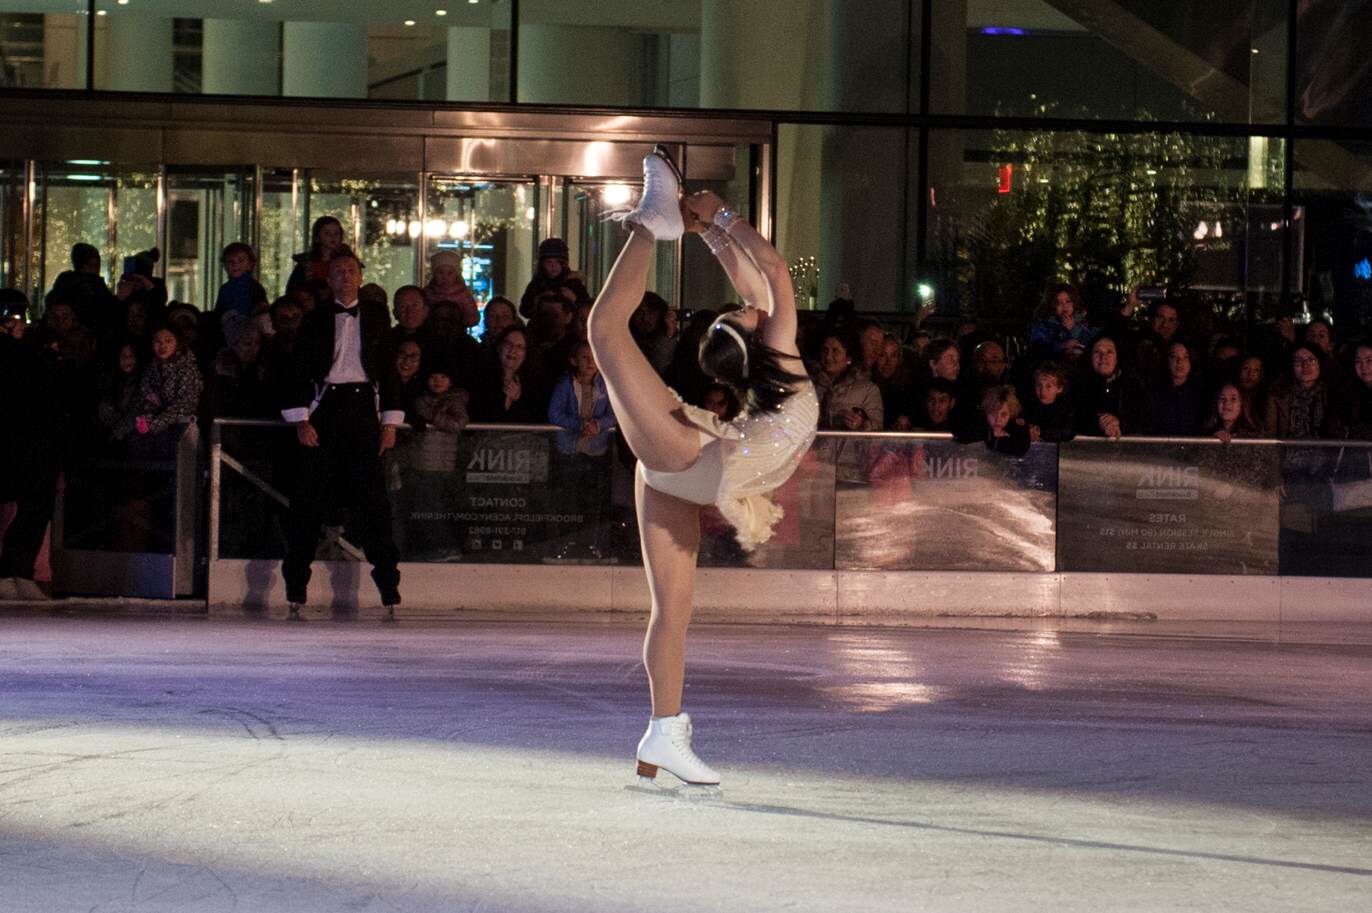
(347, 364)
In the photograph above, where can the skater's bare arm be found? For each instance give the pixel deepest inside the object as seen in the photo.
(747, 280)
(753, 261)
(779, 327)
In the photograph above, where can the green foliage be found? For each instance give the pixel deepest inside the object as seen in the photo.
(1103, 211)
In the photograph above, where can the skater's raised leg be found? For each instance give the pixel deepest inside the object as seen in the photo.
(649, 415)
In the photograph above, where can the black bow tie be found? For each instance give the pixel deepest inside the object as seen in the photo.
(346, 312)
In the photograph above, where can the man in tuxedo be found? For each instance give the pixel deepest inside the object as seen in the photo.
(333, 401)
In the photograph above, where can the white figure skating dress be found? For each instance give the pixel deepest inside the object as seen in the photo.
(742, 460)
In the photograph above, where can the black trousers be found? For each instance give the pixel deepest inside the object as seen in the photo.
(343, 471)
(35, 490)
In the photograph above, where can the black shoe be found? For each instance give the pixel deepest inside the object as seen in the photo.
(293, 613)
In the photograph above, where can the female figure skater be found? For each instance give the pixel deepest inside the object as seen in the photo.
(687, 456)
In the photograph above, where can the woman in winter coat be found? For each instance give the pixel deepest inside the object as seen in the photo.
(848, 401)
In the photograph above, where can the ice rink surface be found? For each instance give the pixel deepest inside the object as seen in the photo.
(192, 766)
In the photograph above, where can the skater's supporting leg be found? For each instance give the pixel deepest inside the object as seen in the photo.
(669, 530)
(649, 415)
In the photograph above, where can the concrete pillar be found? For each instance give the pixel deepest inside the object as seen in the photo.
(64, 52)
(762, 55)
(683, 70)
(568, 64)
(948, 206)
(865, 66)
(324, 59)
(469, 64)
(948, 68)
(862, 192)
(241, 57)
(137, 53)
(863, 183)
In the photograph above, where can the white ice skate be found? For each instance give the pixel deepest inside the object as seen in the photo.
(659, 209)
(667, 745)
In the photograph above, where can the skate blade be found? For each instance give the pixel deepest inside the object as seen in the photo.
(687, 792)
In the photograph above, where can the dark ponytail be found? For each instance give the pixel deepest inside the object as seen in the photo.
(759, 380)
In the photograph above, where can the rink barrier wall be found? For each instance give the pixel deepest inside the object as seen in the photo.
(587, 593)
(1237, 582)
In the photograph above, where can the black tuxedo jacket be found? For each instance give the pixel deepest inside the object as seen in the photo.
(314, 354)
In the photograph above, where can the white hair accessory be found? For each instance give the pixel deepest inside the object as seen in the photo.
(738, 338)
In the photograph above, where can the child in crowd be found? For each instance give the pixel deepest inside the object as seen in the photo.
(581, 407)
(120, 396)
(1228, 419)
(1063, 332)
(241, 294)
(940, 399)
(441, 410)
(1049, 415)
(552, 274)
(1005, 430)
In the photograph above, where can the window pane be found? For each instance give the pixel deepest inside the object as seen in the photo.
(1011, 212)
(112, 207)
(405, 50)
(840, 214)
(207, 208)
(364, 204)
(780, 54)
(1161, 59)
(43, 47)
(491, 225)
(1333, 70)
(1333, 192)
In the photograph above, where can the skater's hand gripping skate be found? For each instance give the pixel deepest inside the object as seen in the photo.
(703, 204)
(694, 224)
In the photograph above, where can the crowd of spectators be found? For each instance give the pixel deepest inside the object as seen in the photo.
(123, 364)
(122, 370)
(1138, 370)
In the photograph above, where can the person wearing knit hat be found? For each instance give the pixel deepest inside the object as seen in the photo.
(552, 274)
(446, 284)
(554, 249)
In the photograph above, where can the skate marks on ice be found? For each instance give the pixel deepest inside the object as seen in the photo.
(686, 795)
(718, 801)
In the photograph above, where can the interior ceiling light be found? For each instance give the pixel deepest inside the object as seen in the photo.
(616, 194)
(409, 22)
(440, 12)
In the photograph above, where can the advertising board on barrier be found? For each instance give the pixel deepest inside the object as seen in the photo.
(944, 506)
(1167, 508)
(495, 504)
(1326, 510)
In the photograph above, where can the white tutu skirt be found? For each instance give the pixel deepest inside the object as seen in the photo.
(742, 461)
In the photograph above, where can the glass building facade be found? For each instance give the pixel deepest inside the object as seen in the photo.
(971, 151)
